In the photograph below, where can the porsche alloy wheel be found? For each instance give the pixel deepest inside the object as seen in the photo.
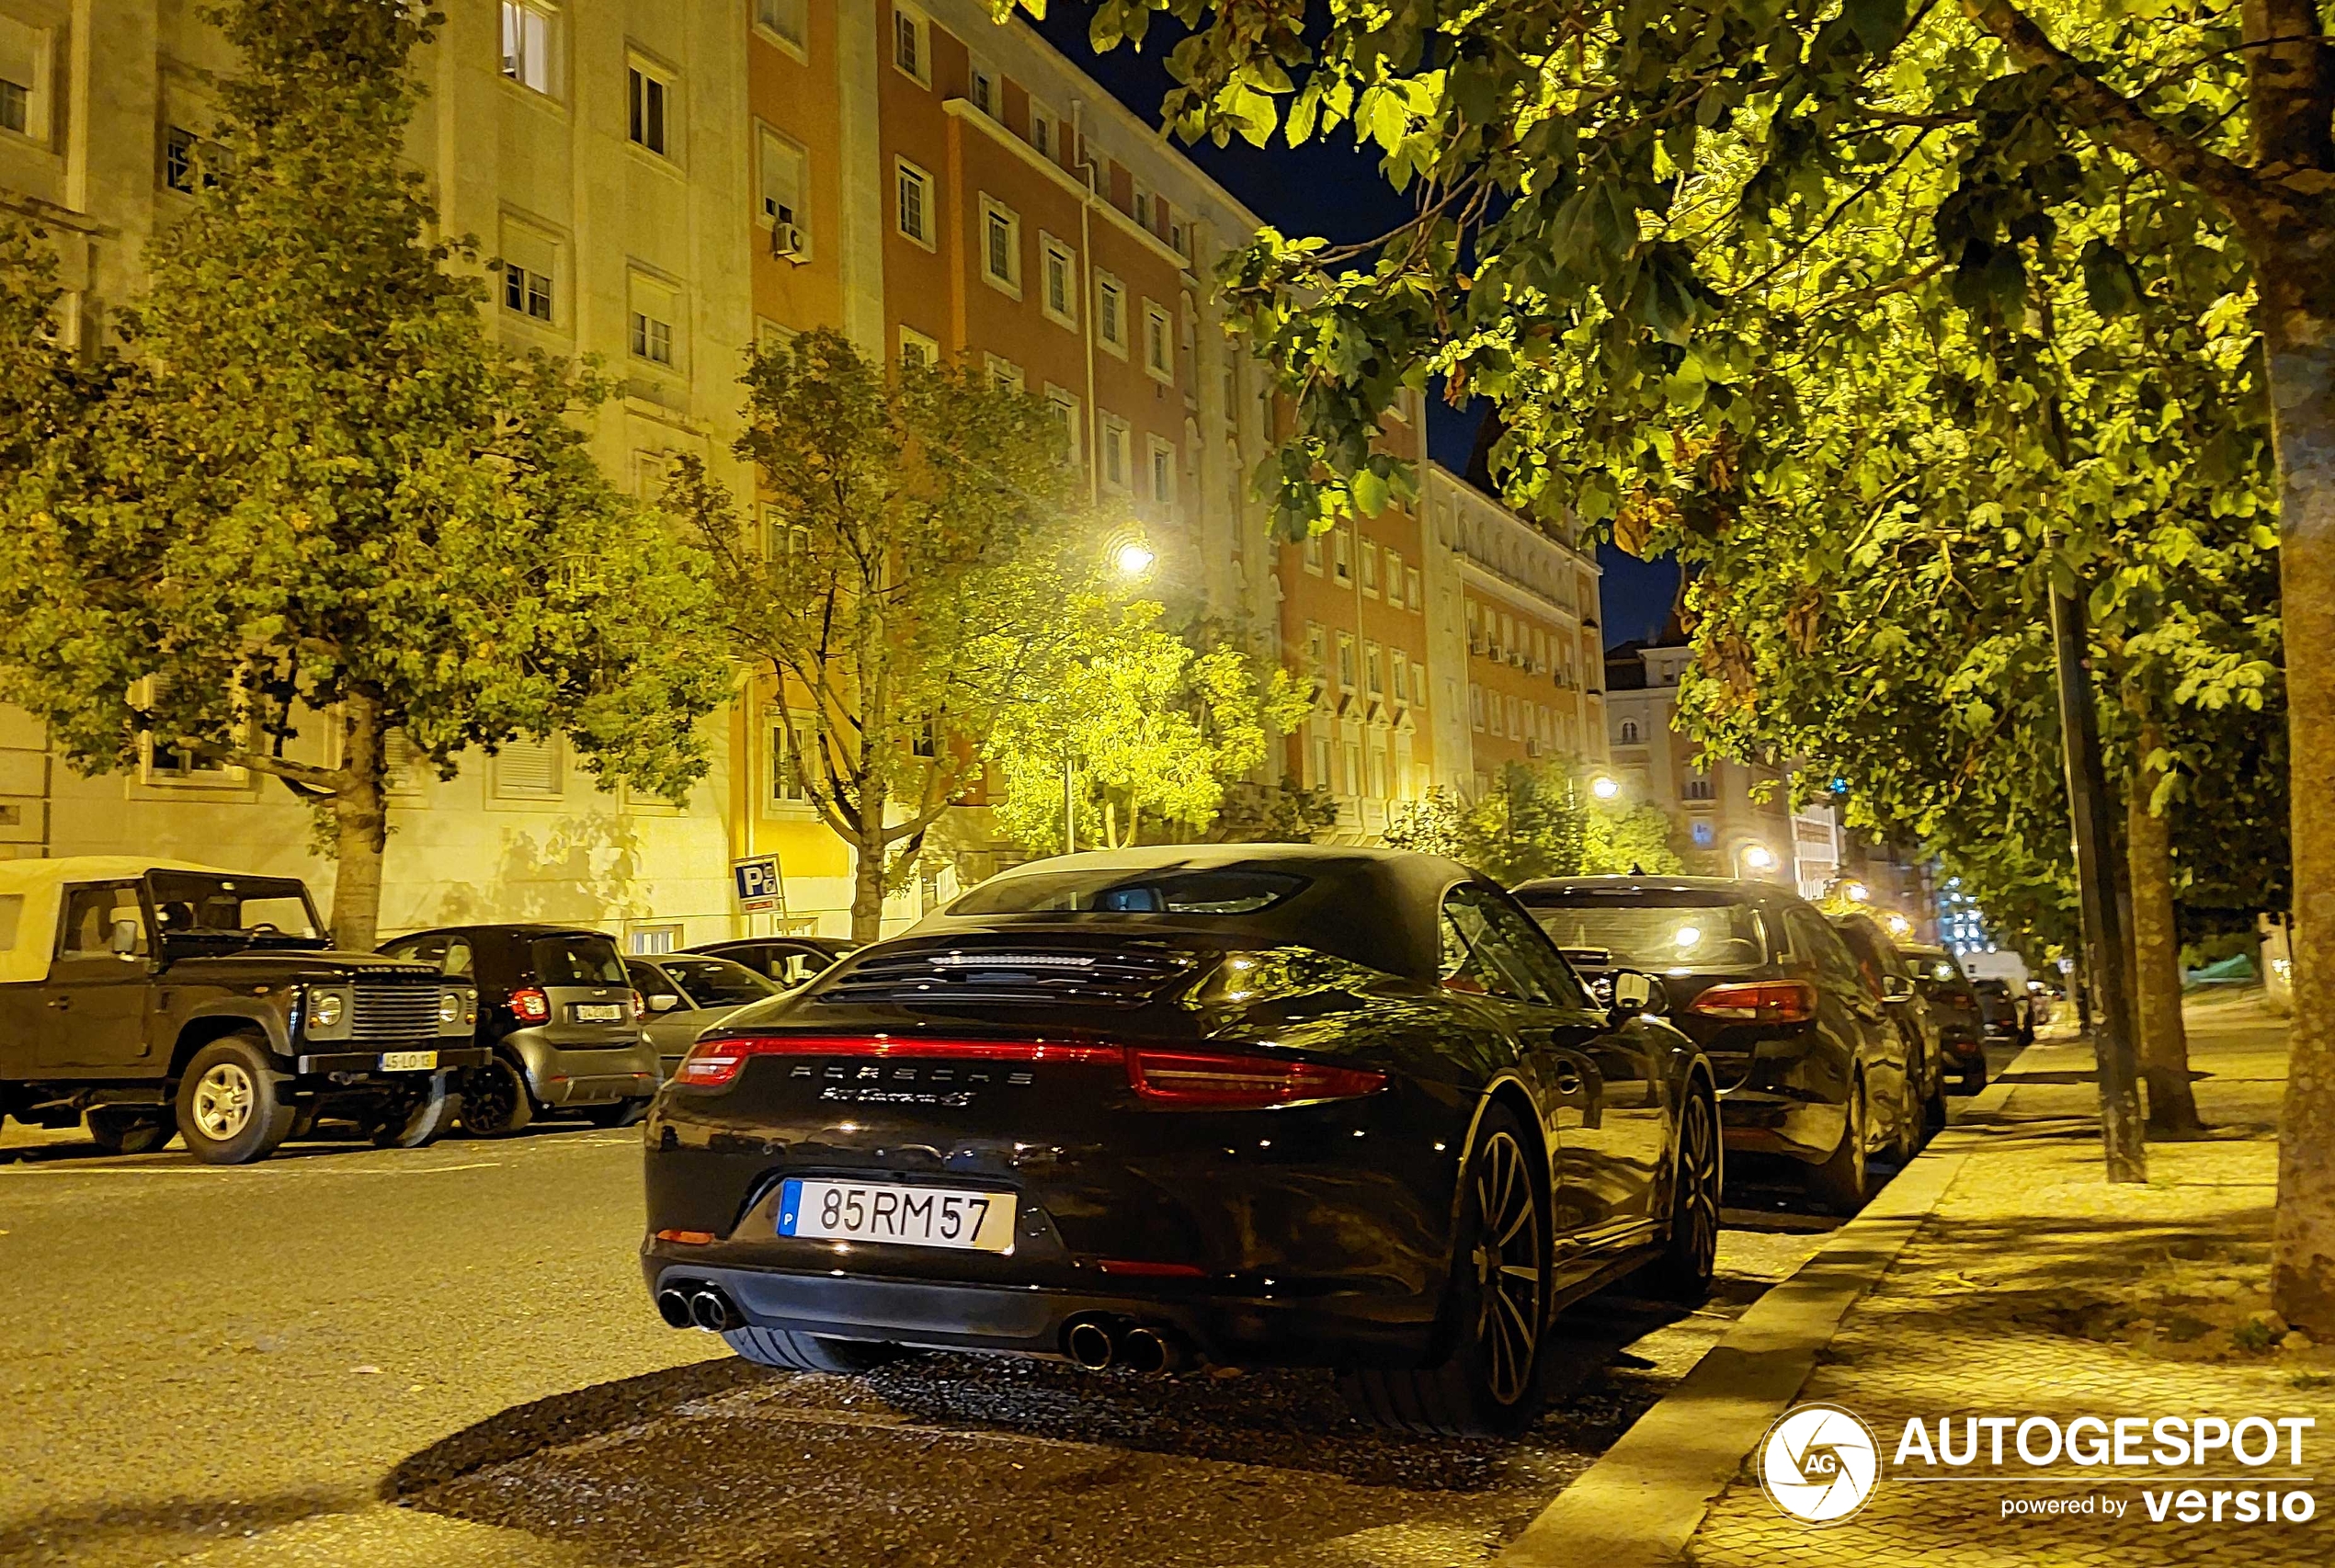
(1692, 1252)
(1510, 1278)
(1490, 1381)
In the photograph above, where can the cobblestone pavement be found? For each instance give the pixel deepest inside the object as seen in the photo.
(2027, 1292)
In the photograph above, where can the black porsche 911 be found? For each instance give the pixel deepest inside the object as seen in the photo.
(1251, 1105)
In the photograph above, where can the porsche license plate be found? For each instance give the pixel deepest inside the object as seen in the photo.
(888, 1212)
(408, 1061)
(597, 1012)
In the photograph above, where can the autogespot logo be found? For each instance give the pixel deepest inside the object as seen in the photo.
(1818, 1463)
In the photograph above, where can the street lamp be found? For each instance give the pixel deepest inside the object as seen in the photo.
(1605, 788)
(1898, 925)
(1134, 559)
(1759, 858)
(1857, 892)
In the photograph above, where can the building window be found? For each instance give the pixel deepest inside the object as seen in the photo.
(1394, 580)
(1159, 347)
(1374, 670)
(1353, 780)
(1142, 206)
(1110, 313)
(1064, 404)
(1370, 569)
(1322, 780)
(1116, 457)
(915, 194)
(1402, 674)
(1163, 472)
(1316, 650)
(1345, 660)
(1629, 731)
(1004, 374)
(1045, 132)
(916, 350)
(1060, 298)
(984, 91)
(1175, 237)
(1001, 246)
(912, 43)
(1697, 787)
(530, 262)
(785, 176)
(654, 309)
(187, 161)
(1341, 555)
(527, 45)
(527, 769)
(1474, 706)
(1411, 595)
(794, 743)
(647, 97)
(1378, 773)
(787, 20)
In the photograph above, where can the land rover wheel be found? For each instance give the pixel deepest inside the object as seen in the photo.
(131, 1130)
(494, 1099)
(421, 1117)
(232, 1107)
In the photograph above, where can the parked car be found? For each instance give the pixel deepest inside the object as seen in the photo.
(156, 997)
(1260, 1105)
(784, 961)
(1901, 998)
(683, 993)
(2001, 980)
(1953, 1001)
(1809, 1067)
(558, 1016)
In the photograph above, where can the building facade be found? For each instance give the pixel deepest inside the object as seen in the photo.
(662, 186)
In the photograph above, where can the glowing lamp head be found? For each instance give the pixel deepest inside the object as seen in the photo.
(1604, 789)
(1759, 858)
(1134, 559)
(1857, 892)
(1898, 925)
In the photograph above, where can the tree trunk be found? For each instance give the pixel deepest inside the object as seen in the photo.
(362, 827)
(2164, 1041)
(867, 874)
(2298, 328)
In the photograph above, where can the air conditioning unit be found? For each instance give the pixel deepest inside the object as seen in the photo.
(786, 241)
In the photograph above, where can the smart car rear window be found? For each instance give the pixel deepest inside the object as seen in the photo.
(578, 960)
(1230, 890)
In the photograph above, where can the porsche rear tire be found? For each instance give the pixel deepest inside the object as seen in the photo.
(1690, 1252)
(785, 1350)
(1489, 1383)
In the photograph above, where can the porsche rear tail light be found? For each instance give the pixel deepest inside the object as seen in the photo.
(1200, 1082)
(712, 1064)
(530, 1005)
(1760, 1001)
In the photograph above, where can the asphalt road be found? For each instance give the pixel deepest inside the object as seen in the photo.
(444, 1356)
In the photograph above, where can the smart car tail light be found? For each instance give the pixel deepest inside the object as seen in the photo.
(713, 1064)
(1199, 1081)
(530, 1005)
(1760, 1001)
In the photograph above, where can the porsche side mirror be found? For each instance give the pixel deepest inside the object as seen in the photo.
(1635, 993)
(664, 1002)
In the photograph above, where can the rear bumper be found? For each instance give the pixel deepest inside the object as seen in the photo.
(1229, 1329)
(1757, 1121)
(582, 1075)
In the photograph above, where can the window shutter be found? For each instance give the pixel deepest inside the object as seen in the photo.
(525, 766)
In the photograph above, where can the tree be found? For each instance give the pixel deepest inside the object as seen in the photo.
(1290, 812)
(924, 539)
(1561, 155)
(1537, 821)
(1135, 728)
(1629, 840)
(307, 490)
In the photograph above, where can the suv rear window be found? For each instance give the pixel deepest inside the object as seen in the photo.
(578, 960)
(1654, 931)
(1104, 891)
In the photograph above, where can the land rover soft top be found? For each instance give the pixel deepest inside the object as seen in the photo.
(155, 995)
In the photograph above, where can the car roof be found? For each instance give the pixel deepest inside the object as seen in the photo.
(505, 927)
(1751, 890)
(22, 876)
(1378, 907)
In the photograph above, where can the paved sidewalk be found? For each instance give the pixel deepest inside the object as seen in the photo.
(2033, 1287)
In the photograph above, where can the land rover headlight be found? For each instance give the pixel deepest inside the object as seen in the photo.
(328, 1009)
(328, 1013)
(457, 1010)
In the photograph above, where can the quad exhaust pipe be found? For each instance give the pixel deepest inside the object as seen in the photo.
(1093, 1344)
(687, 1305)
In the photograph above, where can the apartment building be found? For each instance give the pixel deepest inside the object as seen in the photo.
(593, 151)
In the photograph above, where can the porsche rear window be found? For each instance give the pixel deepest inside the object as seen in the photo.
(1230, 890)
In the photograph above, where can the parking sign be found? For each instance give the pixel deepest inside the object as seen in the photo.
(757, 883)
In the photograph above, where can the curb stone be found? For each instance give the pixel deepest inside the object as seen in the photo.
(1640, 1504)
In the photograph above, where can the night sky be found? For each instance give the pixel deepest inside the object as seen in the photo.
(1334, 190)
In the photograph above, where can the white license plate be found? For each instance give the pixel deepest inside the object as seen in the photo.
(887, 1211)
(408, 1061)
(597, 1012)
